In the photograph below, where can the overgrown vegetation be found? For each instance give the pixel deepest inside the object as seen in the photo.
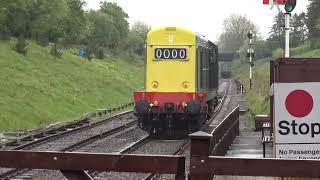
(305, 27)
(305, 42)
(257, 99)
(39, 89)
(65, 23)
(43, 78)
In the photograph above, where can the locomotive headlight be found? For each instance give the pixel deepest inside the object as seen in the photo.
(155, 84)
(184, 104)
(185, 85)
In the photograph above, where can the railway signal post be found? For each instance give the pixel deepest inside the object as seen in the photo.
(287, 17)
(289, 6)
(250, 55)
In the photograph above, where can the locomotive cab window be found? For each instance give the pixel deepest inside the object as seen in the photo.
(170, 54)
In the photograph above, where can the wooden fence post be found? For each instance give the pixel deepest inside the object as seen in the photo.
(181, 174)
(237, 114)
(200, 148)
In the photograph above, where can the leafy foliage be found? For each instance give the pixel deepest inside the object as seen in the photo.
(298, 35)
(89, 53)
(55, 51)
(314, 23)
(105, 30)
(235, 29)
(300, 30)
(276, 37)
(277, 53)
(99, 53)
(21, 46)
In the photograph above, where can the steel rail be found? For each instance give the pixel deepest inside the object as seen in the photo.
(178, 151)
(67, 132)
(16, 172)
(132, 147)
(49, 132)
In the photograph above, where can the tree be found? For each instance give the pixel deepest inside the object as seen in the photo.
(299, 32)
(4, 29)
(48, 20)
(75, 21)
(56, 51)
(235, 29)
(138, 36)
(276, 34)
(21, 46)
(65, 21)
(313, 22)
(261, 48)
(118, 19)
(101, 30)
(17, 18)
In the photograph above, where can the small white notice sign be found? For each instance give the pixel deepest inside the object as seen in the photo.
(298, 151)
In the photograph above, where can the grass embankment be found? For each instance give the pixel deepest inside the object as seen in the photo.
(257, 99)
(39, 89)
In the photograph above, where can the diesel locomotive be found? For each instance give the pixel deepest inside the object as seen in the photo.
(181, 82)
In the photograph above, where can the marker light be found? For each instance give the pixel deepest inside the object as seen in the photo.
(184, 104)
(185, 85)
(155, 84)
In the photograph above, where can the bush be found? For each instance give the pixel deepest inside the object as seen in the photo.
(4, 33)
(42, 39)
(129, 56)
(300, 49)
(99, 53)
(55, 51)
(89, 54)
(21, 46)
(315, 43)
(277, 53)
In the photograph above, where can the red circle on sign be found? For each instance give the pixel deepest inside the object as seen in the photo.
(299, 103)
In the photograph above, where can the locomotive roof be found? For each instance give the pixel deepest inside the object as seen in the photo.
(195, 38)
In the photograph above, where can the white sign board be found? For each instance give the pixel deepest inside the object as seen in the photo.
(297, 119)
(298, 151)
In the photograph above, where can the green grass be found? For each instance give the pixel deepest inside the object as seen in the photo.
(257, 99)
(39, 89)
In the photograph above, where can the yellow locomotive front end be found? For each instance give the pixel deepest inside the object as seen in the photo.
(173, 99)
(171, 61)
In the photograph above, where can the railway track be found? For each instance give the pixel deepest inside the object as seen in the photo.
(123, 138)
(162, 147)
(39, 136)
(73, 139)
(180, 150)
(146, 145)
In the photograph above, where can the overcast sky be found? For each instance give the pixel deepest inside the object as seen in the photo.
(203, 16)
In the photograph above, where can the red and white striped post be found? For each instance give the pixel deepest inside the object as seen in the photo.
(272, 2)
